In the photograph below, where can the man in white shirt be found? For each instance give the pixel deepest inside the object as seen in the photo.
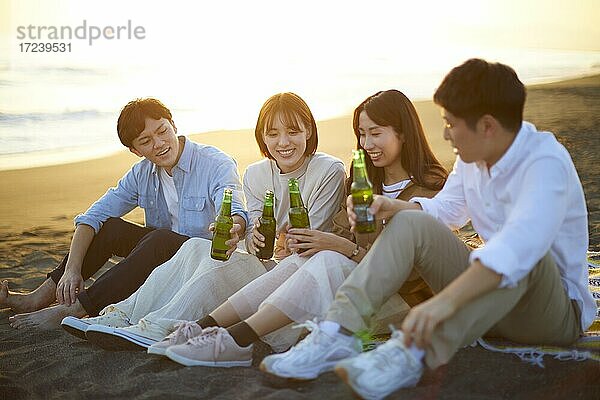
(521, 191)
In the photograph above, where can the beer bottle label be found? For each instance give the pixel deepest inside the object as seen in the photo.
(362, 214)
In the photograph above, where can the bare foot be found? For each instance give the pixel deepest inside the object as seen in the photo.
(41, 297)
(48, 318)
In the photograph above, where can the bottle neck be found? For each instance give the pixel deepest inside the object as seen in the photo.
(226, 205)
(268, 210)
(359, 173)
(226, 209)
(296, 200)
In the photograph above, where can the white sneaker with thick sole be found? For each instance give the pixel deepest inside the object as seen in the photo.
(377, 373)
(319, 352)
(78, 326)
(183, 332)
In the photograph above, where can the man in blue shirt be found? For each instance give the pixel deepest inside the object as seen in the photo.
(180, 186)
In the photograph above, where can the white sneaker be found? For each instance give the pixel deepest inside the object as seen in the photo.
(377, 373)
(135, 337)
(319, 352)
(213, 348)
(183, 332)
(78, 326)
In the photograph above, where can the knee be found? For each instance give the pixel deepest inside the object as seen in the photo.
(325, 259)
(410, 221)
(111, 225)
(329, 256)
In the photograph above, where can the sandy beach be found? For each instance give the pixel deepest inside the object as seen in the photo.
(37, 207)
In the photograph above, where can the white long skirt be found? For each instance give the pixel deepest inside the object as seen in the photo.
(188, 286)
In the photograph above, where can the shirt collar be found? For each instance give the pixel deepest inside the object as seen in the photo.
(508, 159)
(185, 160)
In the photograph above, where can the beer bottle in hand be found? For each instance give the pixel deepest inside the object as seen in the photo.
(362, 193)
(267, 228)
(223, 224)
(298, 213)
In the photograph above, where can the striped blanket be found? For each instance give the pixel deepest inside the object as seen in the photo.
(586, 348)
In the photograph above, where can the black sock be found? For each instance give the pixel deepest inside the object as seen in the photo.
(207, 322)
(243, 334)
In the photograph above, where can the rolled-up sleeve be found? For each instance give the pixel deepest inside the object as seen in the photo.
(531, 224)
(226, 176)
(116, 202)
(449, 205)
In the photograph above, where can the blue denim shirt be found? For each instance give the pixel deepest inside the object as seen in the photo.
(201, 176)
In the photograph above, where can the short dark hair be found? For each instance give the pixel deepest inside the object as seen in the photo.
(292, 109)
(132, 119)
(477, 88)
(392, 108)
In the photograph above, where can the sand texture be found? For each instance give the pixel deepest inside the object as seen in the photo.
(37, 207)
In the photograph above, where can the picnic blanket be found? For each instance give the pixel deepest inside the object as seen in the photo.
(586, 348)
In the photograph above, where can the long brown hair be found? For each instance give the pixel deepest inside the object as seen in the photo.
(392, 108)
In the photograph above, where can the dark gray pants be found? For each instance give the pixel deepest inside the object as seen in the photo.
(143, 248)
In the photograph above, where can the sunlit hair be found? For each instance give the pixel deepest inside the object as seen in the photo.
(477, 87)
(294, 114)
(132, 120)
(392, 108)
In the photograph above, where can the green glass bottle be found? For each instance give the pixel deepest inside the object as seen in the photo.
(223, 224)
(298, 213)
(267, 228)
(362, 193)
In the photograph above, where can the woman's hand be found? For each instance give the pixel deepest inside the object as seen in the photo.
(313, 241)
(69, 286)
(256, 240)
(281, 249)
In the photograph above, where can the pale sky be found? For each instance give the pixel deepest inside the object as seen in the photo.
(215, 62)
(203, 54)
(321, 27)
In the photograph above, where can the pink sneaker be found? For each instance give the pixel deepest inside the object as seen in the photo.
(183, 332)
(213, 348)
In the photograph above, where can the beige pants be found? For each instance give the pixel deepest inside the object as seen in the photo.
(536, 311)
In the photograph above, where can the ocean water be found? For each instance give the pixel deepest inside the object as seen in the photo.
(59, 113)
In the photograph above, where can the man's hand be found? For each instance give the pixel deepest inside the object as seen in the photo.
(382, 207)
(71, 282)
(421, 320)
(234, 236)
(69, 286)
